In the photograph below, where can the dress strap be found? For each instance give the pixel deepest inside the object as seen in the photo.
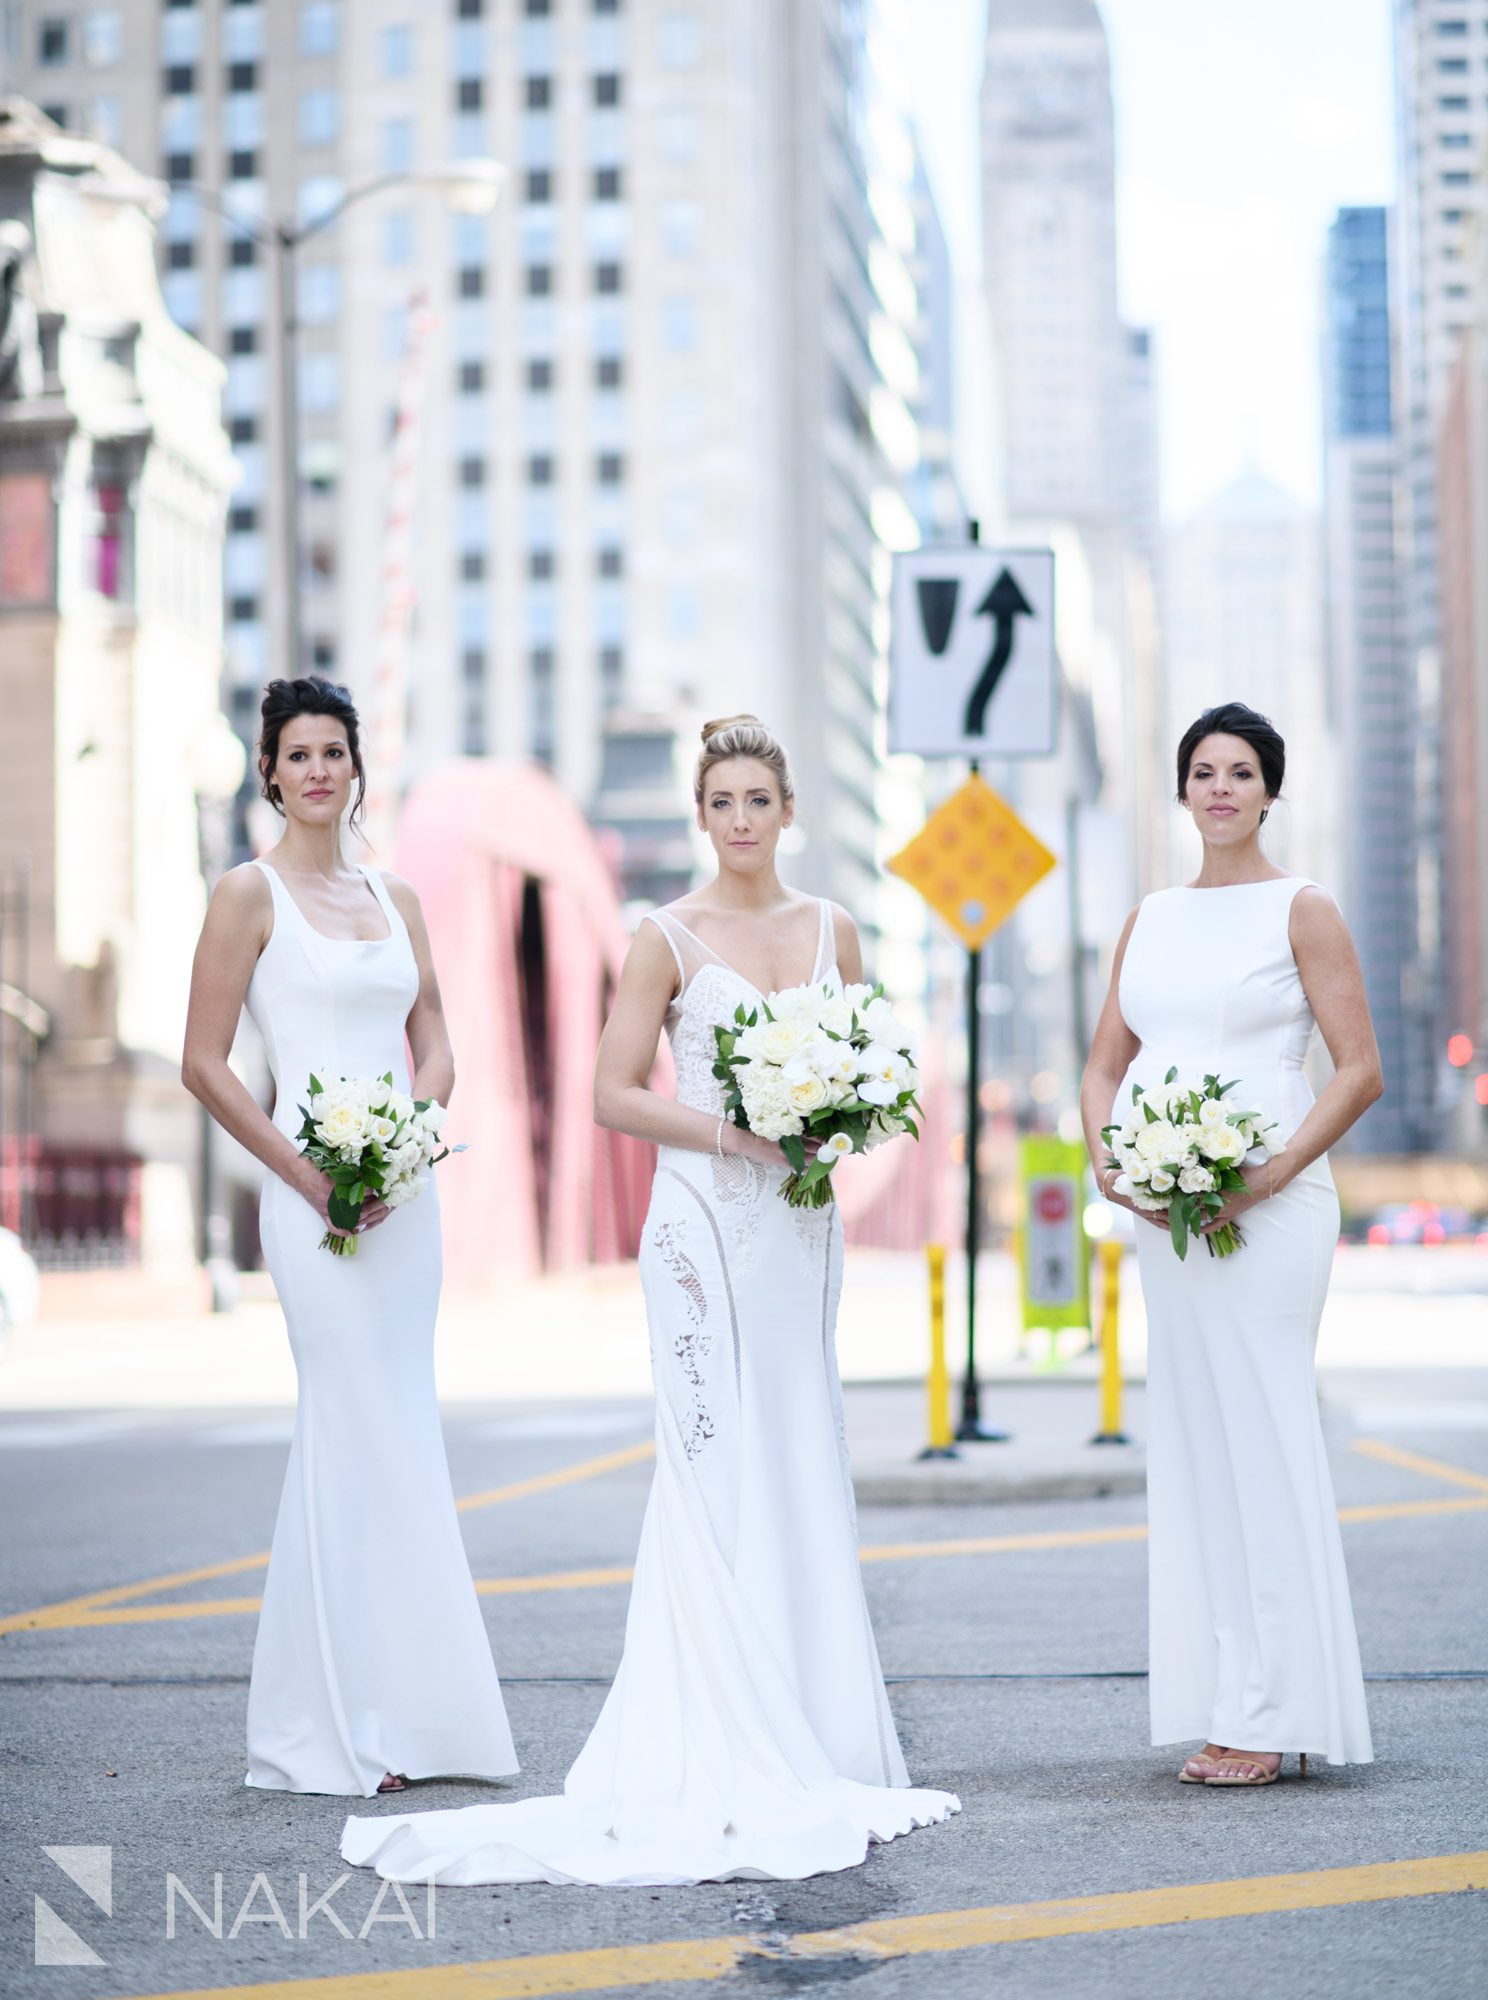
(826, 941)
(664, 924)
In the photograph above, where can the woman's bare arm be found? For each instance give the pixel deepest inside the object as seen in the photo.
(849, 947)
(623, 1099)
(1112, 1051)
(428, 1031)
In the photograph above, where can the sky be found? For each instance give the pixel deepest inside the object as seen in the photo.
(1241, 127)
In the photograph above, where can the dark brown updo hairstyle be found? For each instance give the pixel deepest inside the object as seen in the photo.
(1233, 718)
(742, 736)
(314, 695)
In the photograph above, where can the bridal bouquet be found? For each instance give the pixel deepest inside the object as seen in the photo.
(1182, 1150)
(813, 1063)
(374, 1142)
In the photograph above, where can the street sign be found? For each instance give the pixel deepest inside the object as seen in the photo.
(971, 661)
(973, 861)
(1055, 1266)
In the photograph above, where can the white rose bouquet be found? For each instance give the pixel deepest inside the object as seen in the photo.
(814, 1063)
(1181, 1151)
(372, 1141)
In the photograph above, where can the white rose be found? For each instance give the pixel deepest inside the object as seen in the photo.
(1195, 1180)
(1212, 1111)
(1160, 1141)
(379, 1128)
(878, 1018)
(780, 1039)
(857, 996)
(1137, 1169)
(406, 1189)
(805, 1087)
(836, 1016)
(343, 1125)
(1159, 1181)
(431, 1118)
(885, 1125)
(1222, 1144)
(793, 1004)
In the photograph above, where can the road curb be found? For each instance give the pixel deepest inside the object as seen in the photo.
(1098, 1473)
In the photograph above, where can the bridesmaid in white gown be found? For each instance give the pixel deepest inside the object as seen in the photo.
(1251, 1628)
(747, 1732)
(371, 1663)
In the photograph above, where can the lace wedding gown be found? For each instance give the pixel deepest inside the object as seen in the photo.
(1252, 1631)
(747, 1732)
(371, 1653)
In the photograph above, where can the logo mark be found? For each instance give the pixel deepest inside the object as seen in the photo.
(92, 1869)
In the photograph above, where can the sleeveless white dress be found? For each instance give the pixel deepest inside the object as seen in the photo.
(1251, 1628)
(747, 1732)
(371, 1654)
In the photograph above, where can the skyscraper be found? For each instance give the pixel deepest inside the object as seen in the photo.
(1441, 61)
(670, 414)
(1370, 684)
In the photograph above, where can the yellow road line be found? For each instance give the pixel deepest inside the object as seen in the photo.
(694, 1960)
(75, 1610)
(81, 1611)
(1432, 1468)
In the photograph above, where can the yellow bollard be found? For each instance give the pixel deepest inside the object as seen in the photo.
(938, 1383)
(1109, 1251)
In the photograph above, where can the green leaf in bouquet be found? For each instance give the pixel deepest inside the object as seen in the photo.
(316, 1086)
(422, 1103)
(387, 1078)
(1148, 1113)
(816, 1172)
(794, 1149)
(463, 1147)
(1172, 1075)
(1178, 1228)
(1137, 1093)
(344, 1213)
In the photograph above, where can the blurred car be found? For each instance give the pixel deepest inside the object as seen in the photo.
(18, 1282)
(1425, 1222)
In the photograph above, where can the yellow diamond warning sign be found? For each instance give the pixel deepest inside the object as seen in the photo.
(973, 861)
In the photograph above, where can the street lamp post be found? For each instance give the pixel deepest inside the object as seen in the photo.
(472, 186)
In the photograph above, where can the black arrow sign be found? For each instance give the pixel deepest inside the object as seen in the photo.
(1004, 602)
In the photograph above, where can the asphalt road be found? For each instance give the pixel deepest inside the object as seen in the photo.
(1016, 1680)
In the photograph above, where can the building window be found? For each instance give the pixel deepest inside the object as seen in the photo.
(540, 469)
(540, 565)
(241, 252)
(606, 183)
(539, 184)
(607, 6)
(180, 256)
(472, 377)
(607, 89)
(539, 93)
(397, 50)
(608, 371)
(472, 281)
(539, 280)
(472, 471)
(322, 652)
(1451, 27)
(469, 95)
(1453, 104)
(243, 430)
(319, 23)
(242, 76)
(180, 166)
(103, 37)
(611, 663)
(611, 561)
(242, 610)
(609, 468)
(106, 551)
(319, 297)
(472, 566)
(473, 664)
(320, 117)
(469, 10)
(242, 165)
(241, 520)
(397, 237)
(180, 79)
(51, 44)
(538, 10)
(397, 145)
(681, 41)
(540, 376)
(243, 340)
(607, 277)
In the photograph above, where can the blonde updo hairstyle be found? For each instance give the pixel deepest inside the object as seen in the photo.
(742, 736)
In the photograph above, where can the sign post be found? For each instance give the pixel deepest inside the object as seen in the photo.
(973, 675)
(1055, 1269)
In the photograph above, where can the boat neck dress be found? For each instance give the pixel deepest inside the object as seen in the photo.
(1252, 1641)
(747, 1732)
(371, 1654)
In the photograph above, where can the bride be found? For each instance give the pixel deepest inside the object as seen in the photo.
(747, 1732)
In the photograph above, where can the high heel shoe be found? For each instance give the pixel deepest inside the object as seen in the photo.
(1258, 1775)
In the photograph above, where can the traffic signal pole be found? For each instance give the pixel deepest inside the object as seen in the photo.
(971, 1429)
